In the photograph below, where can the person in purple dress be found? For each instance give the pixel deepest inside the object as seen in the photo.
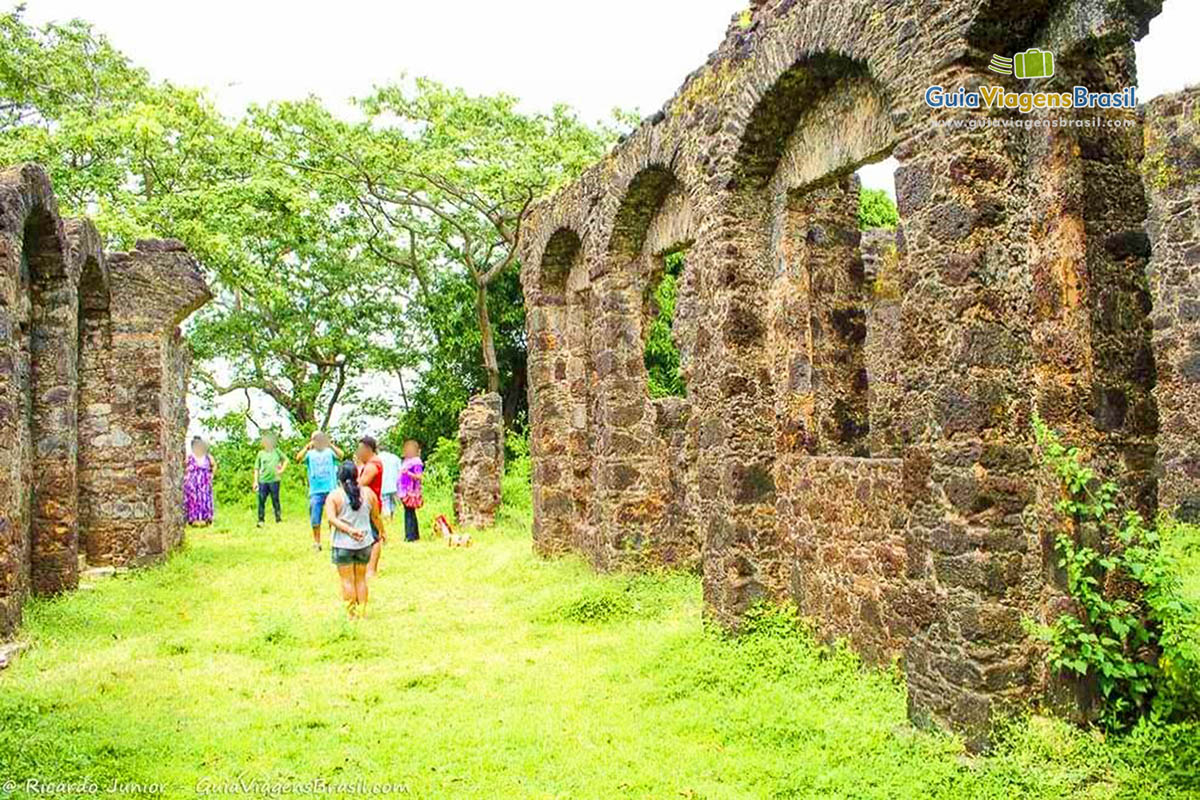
(412, 471)
(198, 484)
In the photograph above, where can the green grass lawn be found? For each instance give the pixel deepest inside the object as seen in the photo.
(489, 673)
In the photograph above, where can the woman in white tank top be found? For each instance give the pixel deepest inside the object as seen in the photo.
(353, 515)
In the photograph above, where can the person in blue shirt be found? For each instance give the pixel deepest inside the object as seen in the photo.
(321, 457)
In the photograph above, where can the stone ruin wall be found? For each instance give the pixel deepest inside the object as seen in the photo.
(1172, 172)
(856, 435)
(93, 381)
(480, 461)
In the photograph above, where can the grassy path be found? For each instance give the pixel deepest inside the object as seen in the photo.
(485, 673)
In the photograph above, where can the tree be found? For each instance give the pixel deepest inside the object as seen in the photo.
(447, 180)
(338, 250)
(662, 355)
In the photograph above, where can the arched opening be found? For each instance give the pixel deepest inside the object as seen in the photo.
(646, 510)
(560, 396)
(664, 376)
(94, 344)
(795, 382)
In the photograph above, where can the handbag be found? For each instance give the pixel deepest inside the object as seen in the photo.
(413, 500)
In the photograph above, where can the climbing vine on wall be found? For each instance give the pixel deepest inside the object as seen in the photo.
(1132, 630)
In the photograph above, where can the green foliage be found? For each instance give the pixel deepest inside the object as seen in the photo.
(662, 355)
(627, 597)
(179, 673)
(1134, 631)
(517, 484)
(876, 209)
(441, 465)
(452, 354)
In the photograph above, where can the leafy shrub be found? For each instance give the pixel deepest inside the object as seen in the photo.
(516, 486)
(876, 210)
(661, 355)
(1134, 631)
(618, 598)
(441, 465)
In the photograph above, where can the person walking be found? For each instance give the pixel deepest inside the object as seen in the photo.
(412, 472)
(198, 505)
(268, 470)
(320, 457)
(357, 527)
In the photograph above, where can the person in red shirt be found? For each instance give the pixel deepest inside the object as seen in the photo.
(370, 475)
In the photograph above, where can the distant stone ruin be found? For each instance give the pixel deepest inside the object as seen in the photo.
(93, 381)
(481, 461)
(856, 435)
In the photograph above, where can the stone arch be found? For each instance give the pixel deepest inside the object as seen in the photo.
(36, 507)
(993, 224)
(559, 377)
(777, 113)
(633, 518)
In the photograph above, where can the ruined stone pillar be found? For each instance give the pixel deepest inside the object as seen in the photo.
(481, 461)
(133, 414)
(744, 556)
(1172, 179)
(966, 367)
(627, 506)
(35, 289)
(54, 346)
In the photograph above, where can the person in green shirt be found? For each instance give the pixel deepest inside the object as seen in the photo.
(268, 469)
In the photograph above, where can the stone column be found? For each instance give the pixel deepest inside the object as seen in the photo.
(744, 556)
(1172, 178)
(966, 368)
(54, 562)
(34, 281)
(629, 503)
(480, 461)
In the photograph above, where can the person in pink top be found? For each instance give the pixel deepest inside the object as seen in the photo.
(412, 470)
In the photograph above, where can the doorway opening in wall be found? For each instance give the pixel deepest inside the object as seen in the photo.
(664, 376)
(878, 220)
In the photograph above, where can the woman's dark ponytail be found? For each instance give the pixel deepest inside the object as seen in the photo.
(348, 475)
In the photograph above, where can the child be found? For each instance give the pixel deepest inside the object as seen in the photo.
(412, 470)
(268, 469)
(321, 457)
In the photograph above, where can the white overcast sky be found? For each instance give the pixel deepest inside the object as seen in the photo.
(595, 56)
